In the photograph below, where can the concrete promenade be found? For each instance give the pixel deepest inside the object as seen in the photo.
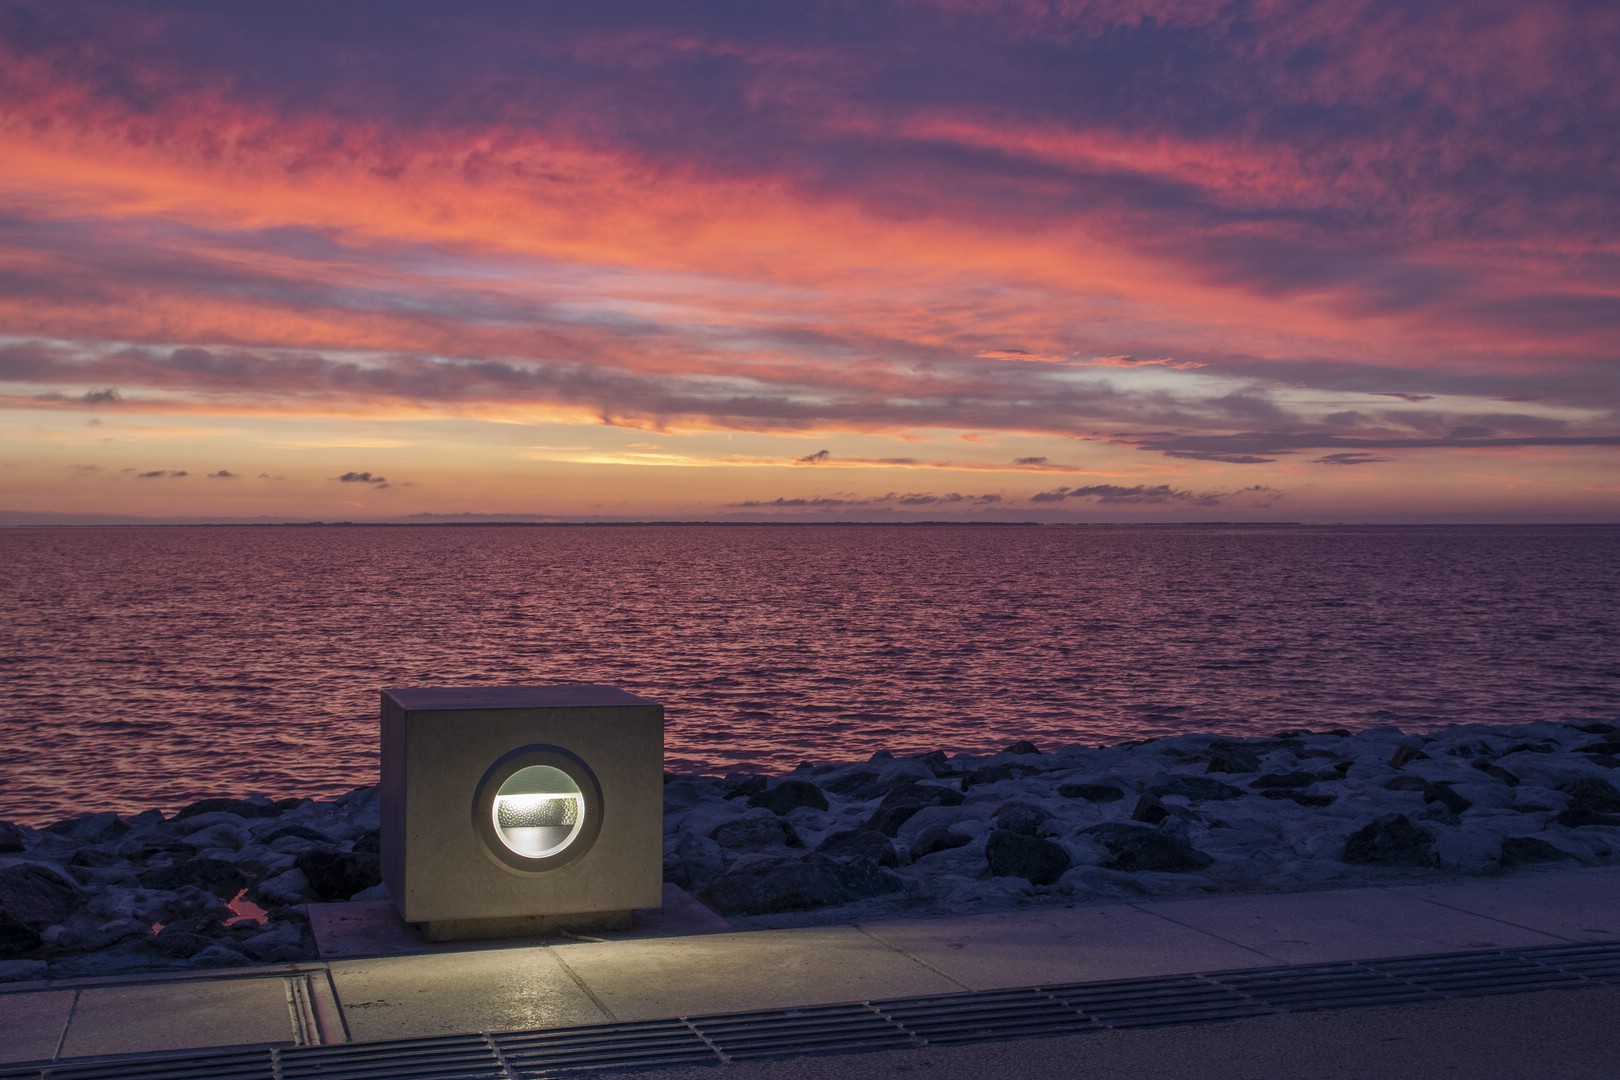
(695, 969)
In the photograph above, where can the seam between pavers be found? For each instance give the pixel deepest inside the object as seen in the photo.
(1209, 934)
(916, 959)
(1494, 918)
(61, 1037)
(584, 989)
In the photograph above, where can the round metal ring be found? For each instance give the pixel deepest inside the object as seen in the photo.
(538, 808)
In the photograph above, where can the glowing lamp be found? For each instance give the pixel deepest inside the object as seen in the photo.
(521, 809)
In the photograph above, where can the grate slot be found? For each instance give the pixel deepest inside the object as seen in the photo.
(1599, 963)
(1468, 976)
(1158, 1002)
(981, 1017)
(824, 1030)
(465, 1057)
(1326, 987)
(223, 1065)
(642, 1044)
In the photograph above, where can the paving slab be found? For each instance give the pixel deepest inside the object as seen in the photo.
(32, 1023)
(355, 928)
(1061, 945)
(441, 993)
(1344, 924)
(1580, 905)
(181, 1015)
(745, 971)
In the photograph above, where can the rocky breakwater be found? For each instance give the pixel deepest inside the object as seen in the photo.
(226, 882)
(221, 883)
(1186, 815)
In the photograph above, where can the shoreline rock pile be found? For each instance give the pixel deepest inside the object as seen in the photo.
(226, 882)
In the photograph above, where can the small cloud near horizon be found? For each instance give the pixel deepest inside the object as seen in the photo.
(1154, 494)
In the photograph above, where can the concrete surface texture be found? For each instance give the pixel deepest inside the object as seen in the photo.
(522, 986)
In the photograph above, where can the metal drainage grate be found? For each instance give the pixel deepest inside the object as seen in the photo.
(881, 1025)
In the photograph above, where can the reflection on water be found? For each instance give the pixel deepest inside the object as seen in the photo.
(149, 667)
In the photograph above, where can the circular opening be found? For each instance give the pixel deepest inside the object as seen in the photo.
(538, 811)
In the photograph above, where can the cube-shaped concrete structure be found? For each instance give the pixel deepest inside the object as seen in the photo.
(521, 809)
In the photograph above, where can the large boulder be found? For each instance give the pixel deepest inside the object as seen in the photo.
(868, 844)
(904, 801)
(790, 795)
(766, 886)
(242, 808)
(1195, 788)
(1016, 854)
(753, 833)
(1095, 793)
(35, 895)
(1391, 840)
(1137, 847)
(219, 877)
(338, 875)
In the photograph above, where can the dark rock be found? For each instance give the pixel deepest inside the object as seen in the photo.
(1496, 772)
(1391, 840)
(1096, 793)
(988, 774)
(13, 838)
(904, 801)
(179, 945)
(937, 762)
(1020, 817)
(1405, 755)
(937, 839)
(1542, 747)
(1441, 792)
(1303, 798)
(868, 844)
(35, 896)
(1591, 793)
(1195, 789)
(790, 795)
(297, 832)
(1578, 817)
(861, 784)
(1150, 809)
(1137, 847)
(1608, 761)
(242, 808)
(95, 857)
(1013, 854)
(17, 938)
(1338, 771)
(219, 877)
(1231, 759)
(740, 787)
(1598, 729)
(1283, 780)
(1022, 747)
(369, 841)
(90, 827)
(1521, 850)
(768, 886)
(693, 864)
(338, 875)
(1406, 783)
(755, 833)
(1607, 749)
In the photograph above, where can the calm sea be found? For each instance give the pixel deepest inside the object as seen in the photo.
(148, 667)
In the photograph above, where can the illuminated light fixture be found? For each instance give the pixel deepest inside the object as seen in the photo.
(521, 810)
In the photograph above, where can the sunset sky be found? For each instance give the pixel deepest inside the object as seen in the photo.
(1095, 260)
